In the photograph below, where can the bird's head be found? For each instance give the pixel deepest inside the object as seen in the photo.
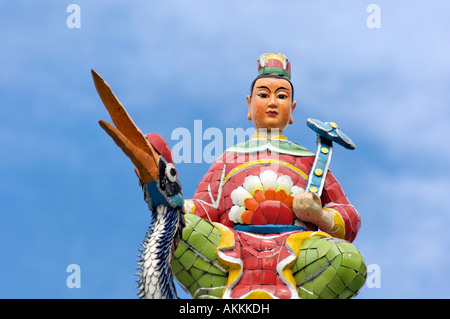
(165, 189)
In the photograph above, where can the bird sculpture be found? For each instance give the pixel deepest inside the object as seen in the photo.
(157, 175)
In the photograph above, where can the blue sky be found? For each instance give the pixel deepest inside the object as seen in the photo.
(68, 195)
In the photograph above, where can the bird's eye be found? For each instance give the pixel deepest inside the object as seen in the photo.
(171, 172)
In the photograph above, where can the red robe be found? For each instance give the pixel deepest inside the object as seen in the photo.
(254, 184)
(213, 200)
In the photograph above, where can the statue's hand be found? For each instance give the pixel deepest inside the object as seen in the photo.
(308, 208)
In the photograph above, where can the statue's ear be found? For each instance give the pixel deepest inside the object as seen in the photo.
(249, 103)
(293, 105)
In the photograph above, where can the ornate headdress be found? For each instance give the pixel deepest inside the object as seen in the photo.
(273, 65)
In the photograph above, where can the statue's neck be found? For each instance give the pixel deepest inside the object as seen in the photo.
(269, 133)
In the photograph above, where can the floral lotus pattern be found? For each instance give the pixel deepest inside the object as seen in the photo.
(264, 199)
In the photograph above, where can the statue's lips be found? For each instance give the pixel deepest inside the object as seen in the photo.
(272, 113)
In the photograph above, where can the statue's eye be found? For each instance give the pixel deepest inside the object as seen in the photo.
(171, 172)
(263, 95)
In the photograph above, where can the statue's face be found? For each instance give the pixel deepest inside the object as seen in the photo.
(271, 106)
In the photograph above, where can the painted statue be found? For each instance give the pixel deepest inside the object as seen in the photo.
(268, 220)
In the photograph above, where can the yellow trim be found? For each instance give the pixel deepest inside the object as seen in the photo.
(274, 56)
(313, 189)
(262, 162)
(295, 241)
(227, 241)
(338, 229)
(262, 136)
(258, 294)
(189, 206)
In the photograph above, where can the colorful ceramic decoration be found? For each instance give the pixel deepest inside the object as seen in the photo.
(268, 220)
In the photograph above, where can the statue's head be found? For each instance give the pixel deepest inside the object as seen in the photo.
(271, 100)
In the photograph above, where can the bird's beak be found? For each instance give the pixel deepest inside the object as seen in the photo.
(126, 134)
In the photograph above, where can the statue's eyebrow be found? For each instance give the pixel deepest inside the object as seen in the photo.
(282, 88)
